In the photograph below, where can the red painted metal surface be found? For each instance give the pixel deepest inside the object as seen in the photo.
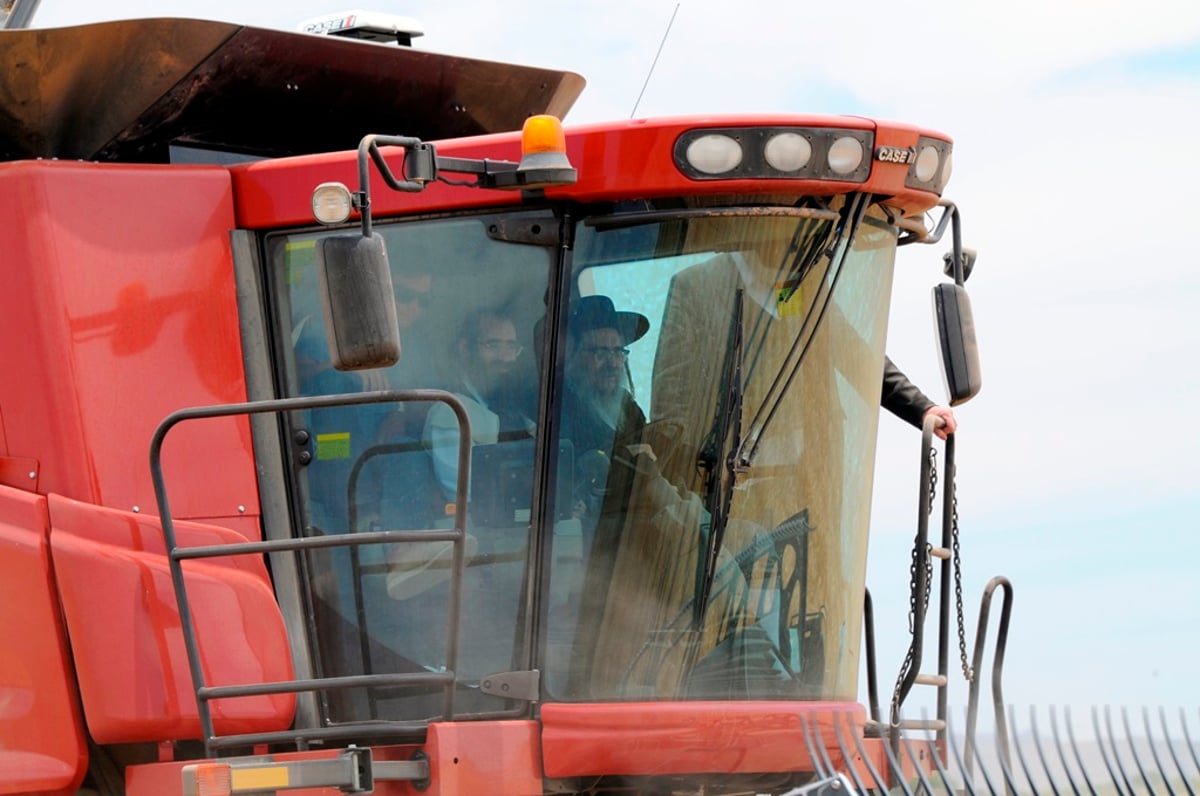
(618, 160)
(120, 609)
(501, 758)
(42, 748)
(690, 737)
(120, 307)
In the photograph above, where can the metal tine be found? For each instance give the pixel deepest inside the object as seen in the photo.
(1012, 722)
(1002, 752)
(937, 760)
(917, 767)
(897, 769)
(818, 767)
(983, 770)
(1074, 747)
(880, 782)
(1137, 758)
(1162, 771)
(821, 750)
(968, 775)
(1162, 718)
(1104, 753)
(1116, 754)
(1187, 737)
(851, 769)
(1041, 753)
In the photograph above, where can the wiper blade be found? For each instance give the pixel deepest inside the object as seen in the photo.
(843, 237)
(718, 492)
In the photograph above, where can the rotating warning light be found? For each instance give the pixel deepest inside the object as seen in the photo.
(543, 134)
(544, 161)
(804, 153)
(331, 203)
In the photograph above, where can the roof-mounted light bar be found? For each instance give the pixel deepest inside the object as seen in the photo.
(807, 153)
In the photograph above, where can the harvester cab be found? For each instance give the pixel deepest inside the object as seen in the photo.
(480, 460)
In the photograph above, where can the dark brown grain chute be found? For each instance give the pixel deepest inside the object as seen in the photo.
(126, 91)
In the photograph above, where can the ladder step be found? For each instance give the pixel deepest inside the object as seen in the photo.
(931, 679)
(939, 552)
(879, 729)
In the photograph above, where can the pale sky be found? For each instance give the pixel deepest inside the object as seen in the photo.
(1075, 151)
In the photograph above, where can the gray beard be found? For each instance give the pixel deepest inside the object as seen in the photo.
(609, 406)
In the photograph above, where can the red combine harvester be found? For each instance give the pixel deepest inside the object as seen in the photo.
(517, 463)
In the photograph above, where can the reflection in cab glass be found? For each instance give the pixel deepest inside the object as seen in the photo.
(467, 304)
(721, 396)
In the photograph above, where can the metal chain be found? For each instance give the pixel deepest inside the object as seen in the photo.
(912, 589)
(933, 482)
(968, 672)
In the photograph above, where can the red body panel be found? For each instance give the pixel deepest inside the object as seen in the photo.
(690, 738)
(126, 637)
(637, 163)
(501, 758)
(42, 747)
(119, 288)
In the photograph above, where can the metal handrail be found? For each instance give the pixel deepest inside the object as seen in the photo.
(176, 556)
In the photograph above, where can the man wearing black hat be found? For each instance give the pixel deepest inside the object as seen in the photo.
(599, 406)
(599, 412)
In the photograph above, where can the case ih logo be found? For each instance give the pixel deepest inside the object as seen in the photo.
(331, 25)
(895, 154)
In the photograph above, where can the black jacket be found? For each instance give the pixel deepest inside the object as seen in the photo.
(901, 397)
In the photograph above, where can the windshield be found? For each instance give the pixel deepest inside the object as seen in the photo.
(721, 395)
(679, 513)
(470, 293)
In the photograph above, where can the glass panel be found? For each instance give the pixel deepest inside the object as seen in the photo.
(690, 338)
(467, 303)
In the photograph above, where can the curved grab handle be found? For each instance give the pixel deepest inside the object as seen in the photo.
(997, 671)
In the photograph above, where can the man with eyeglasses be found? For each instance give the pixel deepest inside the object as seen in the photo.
(599, 411)
(487, 351)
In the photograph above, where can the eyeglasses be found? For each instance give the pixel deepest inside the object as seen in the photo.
(406, 295)
(510, 347)
(599, 353)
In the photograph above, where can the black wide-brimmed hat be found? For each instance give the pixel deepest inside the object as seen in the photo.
(598, 312)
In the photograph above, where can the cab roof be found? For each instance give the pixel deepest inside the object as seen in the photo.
(127, 91)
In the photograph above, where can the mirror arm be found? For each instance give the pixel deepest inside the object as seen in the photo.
(424, 171)
(422, 165)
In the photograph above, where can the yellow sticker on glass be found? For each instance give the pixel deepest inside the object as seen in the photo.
(333, 446)
(789, 299)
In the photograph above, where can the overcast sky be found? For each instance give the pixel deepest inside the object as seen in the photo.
(1076, 170)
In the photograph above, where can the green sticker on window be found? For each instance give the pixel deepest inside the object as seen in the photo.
(333, 446)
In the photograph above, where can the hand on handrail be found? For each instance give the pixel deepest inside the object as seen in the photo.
(945, 423)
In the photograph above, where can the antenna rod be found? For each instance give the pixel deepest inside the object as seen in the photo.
(651, 72)
(15, 14)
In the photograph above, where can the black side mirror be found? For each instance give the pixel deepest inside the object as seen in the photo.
(360, 307)
(956, 331)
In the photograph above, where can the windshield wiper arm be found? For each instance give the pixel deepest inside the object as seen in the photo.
(718, 493)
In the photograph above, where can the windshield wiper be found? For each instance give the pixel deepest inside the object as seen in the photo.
(843, 236)
(719, 494)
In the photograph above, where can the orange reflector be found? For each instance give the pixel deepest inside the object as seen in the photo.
(542, 134)
(211, 779)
